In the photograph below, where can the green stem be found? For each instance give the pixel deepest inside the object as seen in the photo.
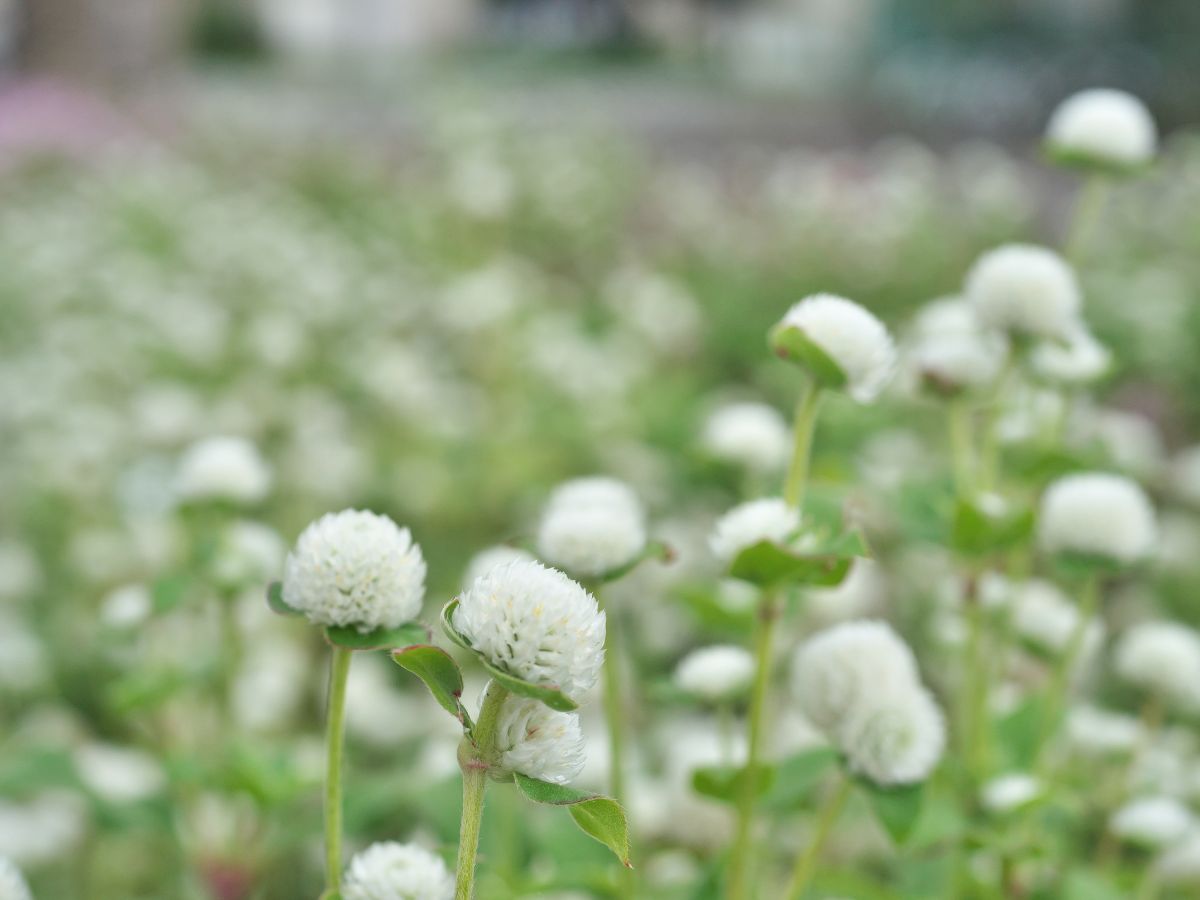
(959, 416)
(1088, 205)
(335, 731)
(803, 428)
(975, 706)
(614, 713)
(807, 864)
(740, 862)
(1056, 696)
(474, 760)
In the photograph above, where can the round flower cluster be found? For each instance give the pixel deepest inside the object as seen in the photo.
(1026, 291)
(535, 623)
(1046, 618)
(490, 558)
(223, 468)
(592, 526)
(392, 871)
(1152, 821)
(951, 350)
(716, 673)
(1163, 658)
(768, 519)
(753, 435)
(539, 742)
(858, 683)
(850, 336)
(355, 568)
(1102, 125)
(1099, 515)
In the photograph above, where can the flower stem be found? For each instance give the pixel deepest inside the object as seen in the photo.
(807, 864)
(805, 425)
(335, 731)
(738, 885)
(959, 418)
(975, 730)
(474, 761)
(1088, 205)
(614, 713)
(1056, 696)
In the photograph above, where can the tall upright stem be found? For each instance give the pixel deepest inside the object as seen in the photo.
(803, 428)
(1088, 206)
(614, 713)
(807, 863)
(959, 419)
(474, 760)
(335, 731)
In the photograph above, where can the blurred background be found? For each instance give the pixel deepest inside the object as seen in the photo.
(430, 257)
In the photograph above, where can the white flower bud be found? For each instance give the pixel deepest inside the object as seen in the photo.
(223, 468)
(355, 568)
(1164, 658)
(1180, 863)
(716, 673)
(769, 519)
(392, 871)
(1045, 617)
(1152, 821)
(1097, 514)
(1025, 290)
(752, 435)
(1102, 125)
(539, 742)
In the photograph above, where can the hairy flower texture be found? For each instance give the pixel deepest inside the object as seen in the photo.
(1007, 792)
(1152, 821)
(1105, 125)
(952, 350)
(1163, 658)
(1097, 514)
(12, 882)
(1045, 617)
(393, 871)
(490, 558)
(894, 735)
(716, 673)
(592, 526)
(537, 741)
(752, 435)
(1025, 290)
(768, 519)
(851, 336)
(222, 468)
(535, 623)
(838, 669)
(355, 568)
(1078, 360)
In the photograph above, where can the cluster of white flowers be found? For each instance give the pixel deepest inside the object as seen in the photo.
(716, 673)
(223, 468)
(1163, 658)
(1025, 290)
(1104, 125)
(535, 623)
(537, 741)
(768, 519)
(752, 435)
(858, 683)
(1097, 514)
(355, 568)
(592, 526)
(393, 871)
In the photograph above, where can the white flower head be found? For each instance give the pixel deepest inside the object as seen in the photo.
(1007, 792)
(392, 871)
(1079, 360)
(716, 673)
(535, 623)
(1097, 514)
(1100, 732)
(119, 774)
(752, 435)
(12, 882)
(894, 735)
(841, 667)
(592, 526)
(1152, 821)
(593, 490)
(1045, 617)
(1024, 290)
(768, 519)
(223, 468)
(539, 742)
(355, 568)
(493, 557)
(952, 351)
(1164, 658)
(126, 606)
(1102, 126)
(850, 336)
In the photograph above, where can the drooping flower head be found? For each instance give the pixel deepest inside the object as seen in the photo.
(539, 742)
(845, 335)
(535, 623)
(355, 568)
(768, 519)
(716, 673)
(1102, 127)
(393, 871)
(223, 468)
(752, 435)
(1025, 291)
(1097, 514)
(592, 526)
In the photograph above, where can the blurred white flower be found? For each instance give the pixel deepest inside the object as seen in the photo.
(1045, 617)
(593, 491)
(592, 526)
(20, 572)
(1026, 290)
(851, 337)
(1132, 441)
(271, 683)
(535, 623)
(1105, 125)
(1101, 732)
(223, 468)
(1163, 658)
(895, 734)
(47, 828)
(539, 742)
(23, 659)
(392, 871)
(1007, 792)
(355, 568)
(1075, 360)
(1097, 514)
(1152, 821)
(119, 774)
(491, 558)
(768, 519)
(126, 606)
(860, 593)
(248, 553)
(951, 350)
(12, 883)
(716, 673)
(753, 435)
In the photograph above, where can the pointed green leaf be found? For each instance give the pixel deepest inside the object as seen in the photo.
(980, 533)
(725, 782)
(797, 777)
(599, 817)
(379, 639)
(790, 343)
(275, 600)
(768, 564)
(897, 808)
(448, 626)
(438, 670)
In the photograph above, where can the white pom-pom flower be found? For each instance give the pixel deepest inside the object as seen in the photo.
(894, 735)
(491, 558)
(355, 568)
(1097, 514)
(12, 883)
(393, 871)
(1152, 821)
(951, 350)
(535, 623)
(1079, 360)
(768, 519)
(1102, 126)
(1046, 618)
(1099, 732)
(716, 673)
(593, 490)
(1024, 290)
(1007, 792)
(848, 335)
(592, 526)
(223, 468)
(119, 774)
(753, 435)
(1163, 658)
(539, 742)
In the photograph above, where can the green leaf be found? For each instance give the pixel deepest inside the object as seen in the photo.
(797, 777)
(275, 600)
(380, 639)
(768, 564)
(979, 533)
(1090, 163)
(449, 629)
(440, 673)
(898, 809)
(790, 343)
(1018, 734)
(169, 591)
(599, 817)
(725, 782)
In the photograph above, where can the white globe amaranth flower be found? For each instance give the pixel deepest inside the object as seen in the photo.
(1078, 359)
(1163, 658)
(355, 568)
(951, 350)
(593, 490)
(861, 593)
(1152, 821)
(753, 435)
(535, 623)
(591, 529)
(1025, 290)
(1045, 617)
(716, 673)
(12, 883)
(119, 774)
(768, 519)
(223, 468)
(839, 668)
(1009, 791)
(491, 558)
(1100, 732)
(1097, 514)
(849, 336)
(894, 735)
(539, 742)
(1102, 126)
(394, 871)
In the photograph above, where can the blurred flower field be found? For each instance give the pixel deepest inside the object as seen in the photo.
(199, 357)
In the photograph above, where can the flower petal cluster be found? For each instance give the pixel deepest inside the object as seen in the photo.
(753, 435)
(1026, 291)
(394, 871)
(1104, 125)
(716, 673)
(1163, 658)
(539, 742)
(1097, 514)
(592, 526)
(768, 519)
(223, 468)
